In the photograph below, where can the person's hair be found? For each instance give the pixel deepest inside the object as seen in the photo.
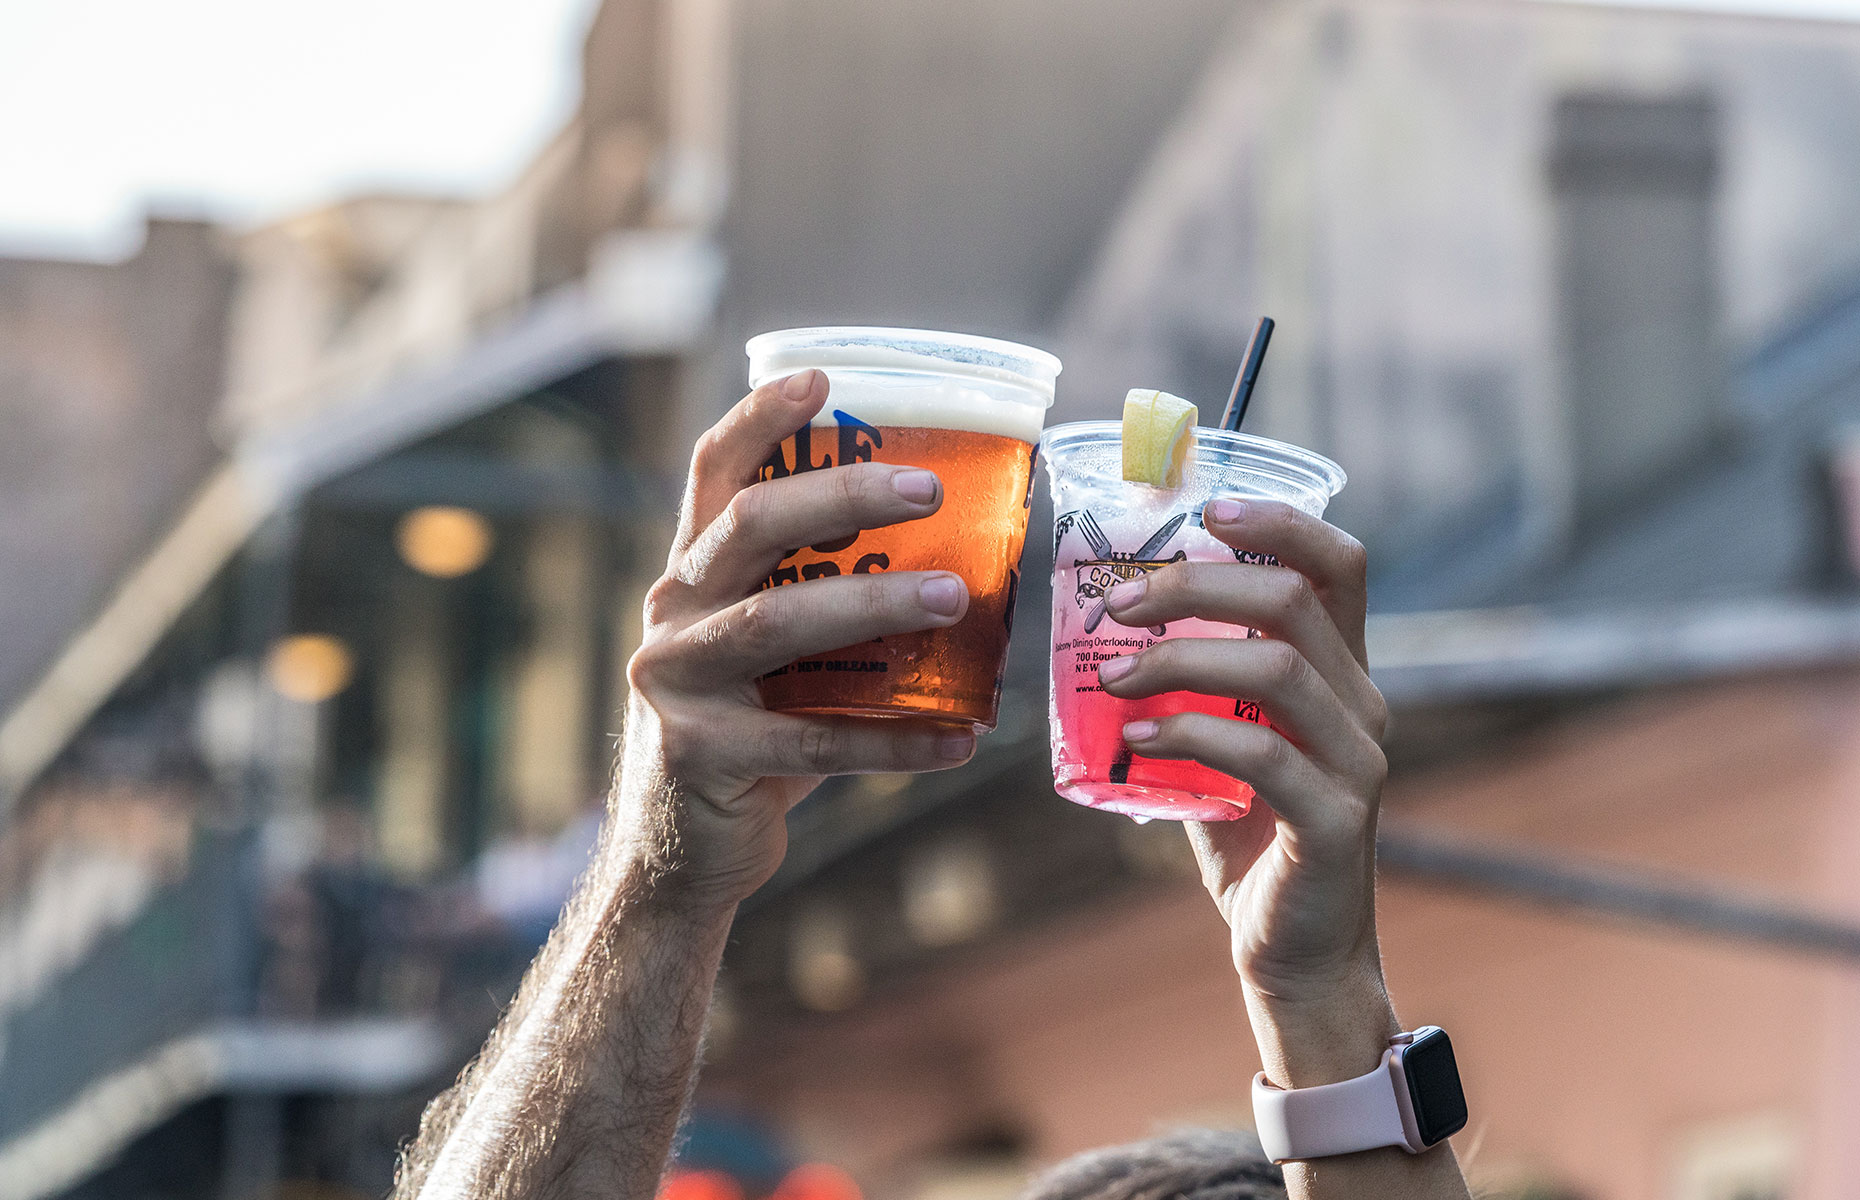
(1193, 1164)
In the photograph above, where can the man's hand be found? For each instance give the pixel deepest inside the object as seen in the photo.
(579, 1091)
(710, 772)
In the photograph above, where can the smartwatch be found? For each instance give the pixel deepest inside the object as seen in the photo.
(1413, 1100)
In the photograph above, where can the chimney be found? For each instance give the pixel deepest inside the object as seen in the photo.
(1633, 181)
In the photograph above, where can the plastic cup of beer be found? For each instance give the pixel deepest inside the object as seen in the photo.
(969, 409)
(1106, 531)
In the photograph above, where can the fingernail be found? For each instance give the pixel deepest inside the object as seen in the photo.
(800, 385)
(941, 594)
(1128, 593)
(1140, 731)
(954, 747)
(1227, 512)
(919, 487)
(1112, 670)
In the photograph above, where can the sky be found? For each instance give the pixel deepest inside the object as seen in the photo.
(246, 110)
(250, 109)
(1839, 9)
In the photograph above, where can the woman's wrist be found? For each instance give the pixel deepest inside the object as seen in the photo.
(1325, 1036)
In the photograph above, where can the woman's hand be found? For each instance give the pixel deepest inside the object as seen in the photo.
(1295, 878)
(707, 774)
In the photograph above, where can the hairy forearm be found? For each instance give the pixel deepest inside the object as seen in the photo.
(581, 1088)
(1341, 1037)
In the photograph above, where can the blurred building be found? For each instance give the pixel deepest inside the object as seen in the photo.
(110, 368)
(302, 790)
(1573, 291)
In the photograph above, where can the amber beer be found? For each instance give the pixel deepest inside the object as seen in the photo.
(969, 409)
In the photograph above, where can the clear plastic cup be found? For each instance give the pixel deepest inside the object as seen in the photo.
(968, 408)
(1106, 531)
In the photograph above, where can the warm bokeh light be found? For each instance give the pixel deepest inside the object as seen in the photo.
(817, 1181)
(827, 980)
(444, 542)
(949, 891)
(310, 667)
(823, 971)
(700, 1185)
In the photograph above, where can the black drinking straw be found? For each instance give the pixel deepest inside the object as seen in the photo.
(1248, 377)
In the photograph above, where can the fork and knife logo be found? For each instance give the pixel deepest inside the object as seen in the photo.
(1097, 576)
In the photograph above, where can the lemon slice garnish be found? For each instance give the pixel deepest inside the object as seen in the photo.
(1159, 430)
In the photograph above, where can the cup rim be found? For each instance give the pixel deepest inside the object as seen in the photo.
(783, 351)
(1295, 464)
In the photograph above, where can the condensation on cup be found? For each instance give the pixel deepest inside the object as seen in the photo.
(1107, 531)
(969, 409)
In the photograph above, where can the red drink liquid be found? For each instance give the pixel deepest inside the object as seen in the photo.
(1092, 765)
(1107, 531)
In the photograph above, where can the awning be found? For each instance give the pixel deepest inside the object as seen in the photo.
(1509, 653)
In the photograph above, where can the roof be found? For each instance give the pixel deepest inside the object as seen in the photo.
(1750, 518)
(1732, 564)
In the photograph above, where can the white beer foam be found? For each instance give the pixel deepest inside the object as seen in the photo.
(930, 404)
(765, 367)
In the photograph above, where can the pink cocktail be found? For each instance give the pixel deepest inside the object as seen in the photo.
(1107, 531)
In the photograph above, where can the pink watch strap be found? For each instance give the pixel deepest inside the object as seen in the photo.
(1336, 1118)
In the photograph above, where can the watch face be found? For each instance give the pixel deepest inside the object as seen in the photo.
(1434, 1087)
